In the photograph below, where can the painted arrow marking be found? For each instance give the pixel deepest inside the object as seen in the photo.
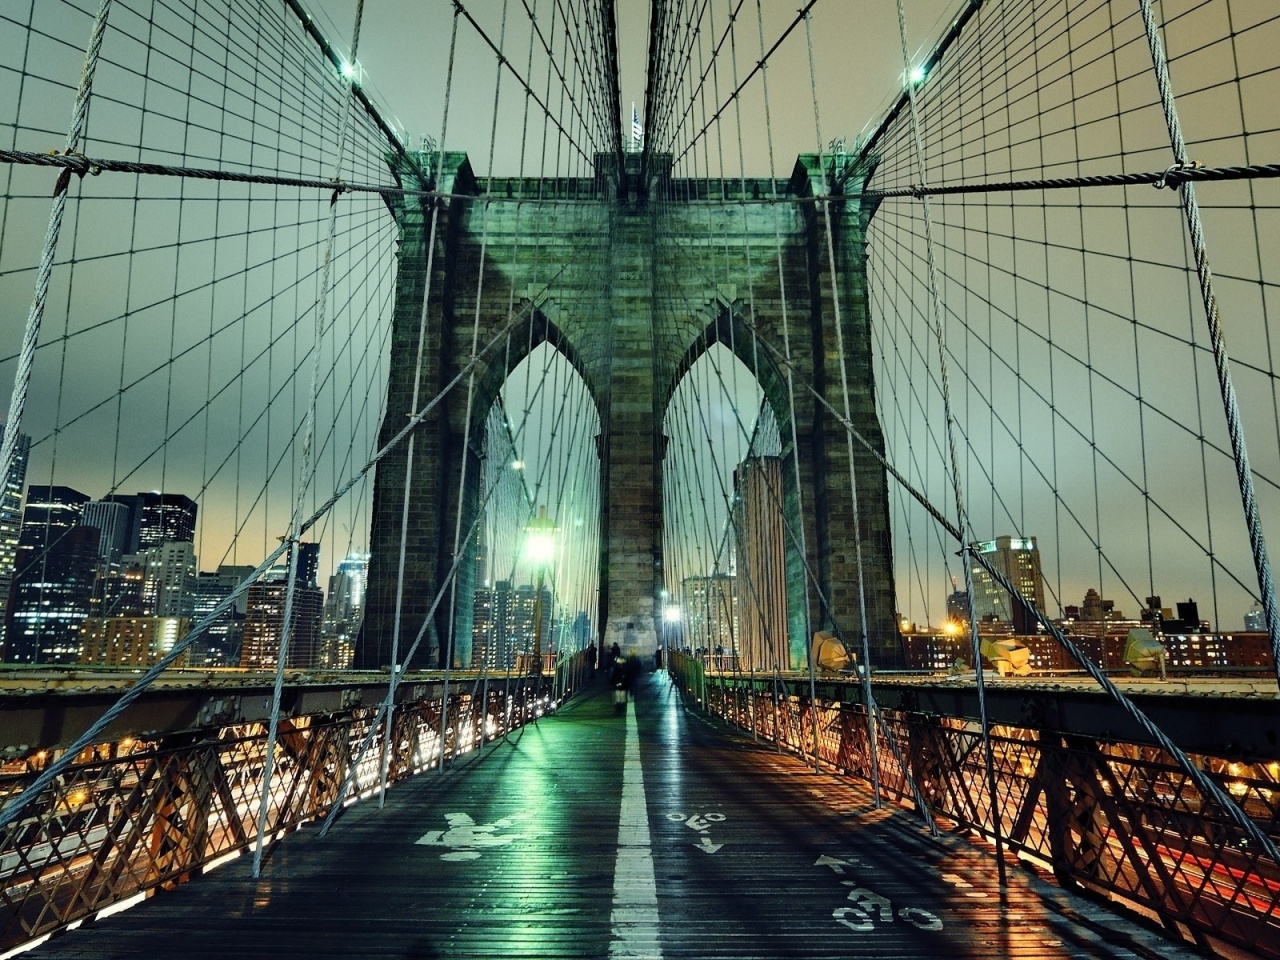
(834, 863)
(706, 846)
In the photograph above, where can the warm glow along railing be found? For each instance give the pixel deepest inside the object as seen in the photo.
(1116, 818)
(148, 812)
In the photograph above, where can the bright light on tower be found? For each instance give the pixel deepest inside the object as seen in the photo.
(348, 70)
(671, 614)
(918, 74)
(540, 539)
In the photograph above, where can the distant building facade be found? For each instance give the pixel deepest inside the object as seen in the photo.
(11, 517)
(265, 620)
(170, 579)
(1018, 560)
(344, 611)
(760, 549)
(112, 522)
(130, 641)
(708, 607)
(1255, 620)
(503, 624)
(52, 586)
(219, 643)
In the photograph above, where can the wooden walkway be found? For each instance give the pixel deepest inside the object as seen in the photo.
(591, 834)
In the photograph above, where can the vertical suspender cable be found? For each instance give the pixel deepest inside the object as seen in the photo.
(837, 318)
(1221, 361)
(962, 521)
(308, 460)
(44, 271)
(786, 347)
(437, 175)
(458, 548)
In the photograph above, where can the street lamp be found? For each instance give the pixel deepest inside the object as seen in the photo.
(539, 549)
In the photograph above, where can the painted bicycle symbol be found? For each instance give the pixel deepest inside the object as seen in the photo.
(700, 822)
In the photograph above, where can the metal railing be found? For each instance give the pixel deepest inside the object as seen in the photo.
(1113, 817)
(144, 813)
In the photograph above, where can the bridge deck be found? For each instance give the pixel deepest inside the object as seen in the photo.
(552, 845)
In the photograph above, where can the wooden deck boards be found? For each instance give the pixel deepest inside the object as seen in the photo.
(511, 853)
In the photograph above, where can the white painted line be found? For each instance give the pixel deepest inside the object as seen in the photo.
(635, 892)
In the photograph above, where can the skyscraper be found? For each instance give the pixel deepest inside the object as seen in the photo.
(1018, 560)
(484, 632)
(11, 517)
(166, 518)
(132, 502)
(219, 644)
(760, 546)
(112, 522)
(308, 564)
(155, 518)
(504, 623)
(264, 624)
(709, 608)
(53, 578)
(169, 589)
(344, 611)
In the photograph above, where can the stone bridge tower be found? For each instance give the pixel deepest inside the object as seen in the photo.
(632, 289)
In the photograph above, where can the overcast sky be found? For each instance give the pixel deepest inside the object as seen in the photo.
(1032, 319)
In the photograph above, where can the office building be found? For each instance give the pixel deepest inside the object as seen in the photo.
(265, 620)
(11, 516)
(218, 645)
(170, 578)
(760, 548)
(344, 611)
(112, 522)
(120, 592)
(166, 518)
(130, 641)
(1018, 560)
(155, 517)
(503, 624)
(1256, 619)
(53, 578)
(709, 611)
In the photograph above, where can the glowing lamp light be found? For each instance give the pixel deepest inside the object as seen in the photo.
(348, 70)
(517, 464)
(917, 75)
(671, 614)
(540, 539)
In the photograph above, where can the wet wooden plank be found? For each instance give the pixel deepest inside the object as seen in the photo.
(511, 853)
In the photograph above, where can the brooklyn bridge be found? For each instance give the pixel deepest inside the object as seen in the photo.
(577, 478)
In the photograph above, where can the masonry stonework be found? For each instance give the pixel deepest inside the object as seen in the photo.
(632, 283)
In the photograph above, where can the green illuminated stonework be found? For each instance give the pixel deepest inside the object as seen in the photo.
(632, 282)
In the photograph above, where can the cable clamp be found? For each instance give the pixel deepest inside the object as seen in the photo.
(81, 164)
(1172, 172)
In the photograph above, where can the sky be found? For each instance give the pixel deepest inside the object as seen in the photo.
(1114, 339)
(404, 51)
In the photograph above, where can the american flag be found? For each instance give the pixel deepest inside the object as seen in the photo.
(637, 131)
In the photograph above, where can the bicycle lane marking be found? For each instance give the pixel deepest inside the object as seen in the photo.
(634, 919)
